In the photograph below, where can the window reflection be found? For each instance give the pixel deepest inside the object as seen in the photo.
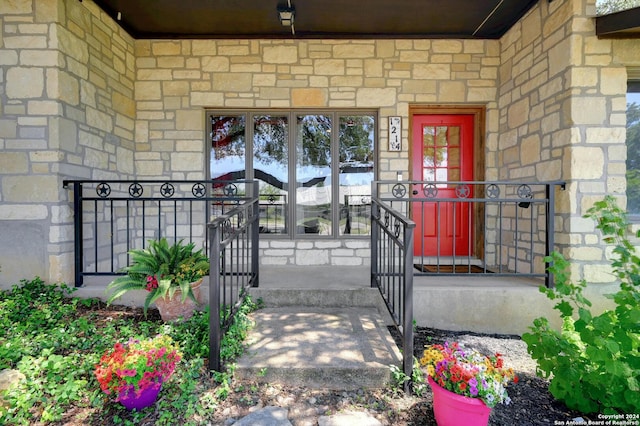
(270, 168)
(356, 153)
(313, 174)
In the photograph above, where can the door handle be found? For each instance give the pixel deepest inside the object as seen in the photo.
(415, 192)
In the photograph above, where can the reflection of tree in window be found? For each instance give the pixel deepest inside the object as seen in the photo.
(270, 139)
(356, 144)
(314, 147)
(633, 158)
(227, 136)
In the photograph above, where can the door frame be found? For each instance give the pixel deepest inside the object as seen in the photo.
(479, 125)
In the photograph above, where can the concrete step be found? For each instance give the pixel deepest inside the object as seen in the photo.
(319, 348)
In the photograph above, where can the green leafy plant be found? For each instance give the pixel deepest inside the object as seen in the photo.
(593, 362)
(161, 269)
(55, 341)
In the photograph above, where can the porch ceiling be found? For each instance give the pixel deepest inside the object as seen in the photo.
(625, 24)
(350, 19)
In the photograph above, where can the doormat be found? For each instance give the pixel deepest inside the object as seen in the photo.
(448, 269)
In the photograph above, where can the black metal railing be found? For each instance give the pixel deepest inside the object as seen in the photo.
(234, 267)
(392, 236)
(113, 217)
(500, 228)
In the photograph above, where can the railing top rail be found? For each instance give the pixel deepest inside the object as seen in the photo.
(66, 182)
(218, 220)
(401, 217)
(476, 182)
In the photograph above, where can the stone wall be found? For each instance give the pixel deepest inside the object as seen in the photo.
(562, 117)
(178, 80)
(67, 111)
(80, 98)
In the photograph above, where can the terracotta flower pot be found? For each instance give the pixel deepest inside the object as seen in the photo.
(174, 308)
(451, 409)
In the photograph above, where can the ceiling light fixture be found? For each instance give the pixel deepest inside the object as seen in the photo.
(287, 15)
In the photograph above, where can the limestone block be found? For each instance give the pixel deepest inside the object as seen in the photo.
(530, 150)
(189, 120)
(357, 244)
(207, 99)
(602, 135)
(163, 48)
(24, 83)
(203, 47)
(175, 88)
(312, 257)
(16, 7)
(149, 168)
(96, 159)
(63, 86)
(147, 90)
(452, 91)
(280, 54)
(329, 245)
(233, 50)
(588, 110)
(23, 212)
(99, 119)
(39, 58)
(303, 97)
(13, 162)
(232, 82)
(281, 244)
(31, 188)
(154, 74)
(215, 64)
(518, 113)
(354, 50)
(25, 42)
(432, 71)
(598, 273)
(8, 128)
(123, 104)
(71, 45)
(446, 46)
(186, 161)
(549, 171)
(376, 97)
(329, 67)
(613, 81)
(8, 57)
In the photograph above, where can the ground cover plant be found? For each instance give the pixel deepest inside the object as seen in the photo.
(594, 362)
(56, 341)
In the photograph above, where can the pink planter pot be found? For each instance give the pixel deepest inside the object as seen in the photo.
(451, 409)
(131, 400)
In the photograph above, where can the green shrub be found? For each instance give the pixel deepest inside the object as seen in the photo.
(593, 362)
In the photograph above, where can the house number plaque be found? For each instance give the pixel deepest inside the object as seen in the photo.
(395, 133)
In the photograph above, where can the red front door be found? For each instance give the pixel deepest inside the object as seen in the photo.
(442, 151)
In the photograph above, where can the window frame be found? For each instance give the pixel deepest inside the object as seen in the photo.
(292, 114)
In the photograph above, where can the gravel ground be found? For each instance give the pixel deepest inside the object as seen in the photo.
(531, 402)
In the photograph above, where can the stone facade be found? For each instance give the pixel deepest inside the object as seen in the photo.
(81, 99)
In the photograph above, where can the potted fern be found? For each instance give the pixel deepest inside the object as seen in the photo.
(171, 274)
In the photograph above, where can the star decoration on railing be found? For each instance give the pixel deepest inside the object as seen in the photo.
(230, 190)
(199, 190)
(399, 190)
(430, 190)
(492, 191)
(136, 190)
(463, 191)
(167, 190)
(103, 189)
